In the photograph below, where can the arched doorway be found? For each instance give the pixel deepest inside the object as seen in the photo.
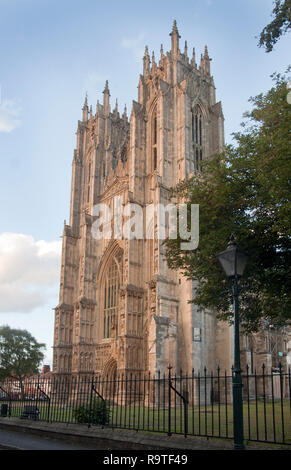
(109, 377)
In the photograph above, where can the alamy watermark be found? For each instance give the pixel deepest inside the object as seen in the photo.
(154, 221)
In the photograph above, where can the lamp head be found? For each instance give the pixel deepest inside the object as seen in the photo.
(233, 260)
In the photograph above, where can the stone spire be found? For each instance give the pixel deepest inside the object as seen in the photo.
(175, 39)
(161, 55)
(205, 61)
(186, 50)
(193, 60)
(201, 62)
(85, 108)
(146, 62)
(124, 115)
(98, 107)
(106, 96)
(106, 89)
(154, 65)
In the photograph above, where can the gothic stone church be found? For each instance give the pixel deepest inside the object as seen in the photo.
(121, 309)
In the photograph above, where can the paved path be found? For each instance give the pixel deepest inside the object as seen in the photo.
(25, 441)
(37, 435)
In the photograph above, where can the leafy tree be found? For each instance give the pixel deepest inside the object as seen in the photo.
(246, 191)
(280, 25)
(20, 354)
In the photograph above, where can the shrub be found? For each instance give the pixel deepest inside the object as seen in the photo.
(100, 412)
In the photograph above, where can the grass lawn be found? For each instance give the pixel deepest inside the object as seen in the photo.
(262, 422)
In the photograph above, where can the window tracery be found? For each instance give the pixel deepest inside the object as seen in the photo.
(197, 136)
(111, 285)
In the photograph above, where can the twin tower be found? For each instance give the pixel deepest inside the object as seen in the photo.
(121, 309)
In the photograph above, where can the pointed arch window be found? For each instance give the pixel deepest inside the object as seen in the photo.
(154, 140)
(88, 180)
(111, 286)
(197, 136)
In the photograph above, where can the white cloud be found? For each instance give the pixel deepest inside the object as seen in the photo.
(29, 272)
(136, 45)
(9, 115)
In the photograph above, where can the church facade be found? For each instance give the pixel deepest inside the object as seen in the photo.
(121, 309)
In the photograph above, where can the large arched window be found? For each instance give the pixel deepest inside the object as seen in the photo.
(197, 136)
(111, 285)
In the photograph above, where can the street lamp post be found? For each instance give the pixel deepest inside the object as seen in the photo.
(233, 262)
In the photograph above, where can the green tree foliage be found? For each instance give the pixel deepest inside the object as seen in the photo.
(246, 191)
(280, 24)
(20, 353)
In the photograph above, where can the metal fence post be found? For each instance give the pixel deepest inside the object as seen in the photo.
(236, 378)
(281, 400)
(90, 403)
(169, 402)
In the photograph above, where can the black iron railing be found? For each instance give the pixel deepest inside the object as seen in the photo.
(198, 404)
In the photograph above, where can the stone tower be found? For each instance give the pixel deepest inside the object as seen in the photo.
(121, 309)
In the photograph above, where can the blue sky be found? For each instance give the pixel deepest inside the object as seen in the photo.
(51, 53)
